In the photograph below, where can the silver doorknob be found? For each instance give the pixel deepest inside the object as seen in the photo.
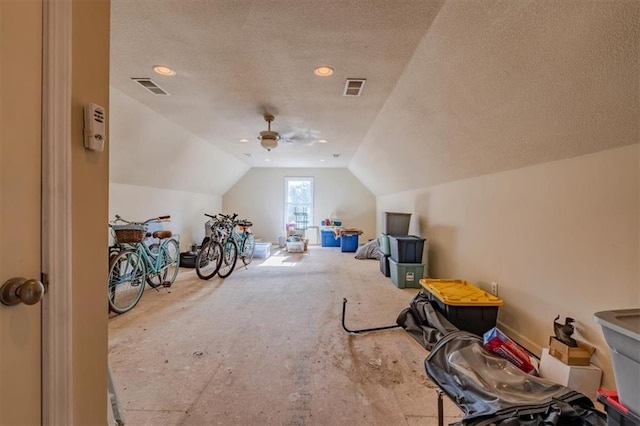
(20, 289)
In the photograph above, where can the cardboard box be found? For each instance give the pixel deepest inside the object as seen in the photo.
(571, 356)
(581, 378)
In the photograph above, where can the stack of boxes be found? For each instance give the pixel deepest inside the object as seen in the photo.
(400, 253)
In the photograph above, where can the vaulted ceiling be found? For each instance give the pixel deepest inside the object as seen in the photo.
(454, 89)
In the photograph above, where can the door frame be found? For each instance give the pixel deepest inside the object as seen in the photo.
(57, 319)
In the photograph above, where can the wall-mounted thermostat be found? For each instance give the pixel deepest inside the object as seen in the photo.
(94, 127)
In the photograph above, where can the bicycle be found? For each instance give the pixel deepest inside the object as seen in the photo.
(245, 240)
(132, 262)
(209, 258)
(224, 230)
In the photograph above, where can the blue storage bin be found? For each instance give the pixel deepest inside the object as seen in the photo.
(329, 239)
(349, 242)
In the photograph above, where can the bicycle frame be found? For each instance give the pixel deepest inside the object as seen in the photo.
(240, 237)
(153, 261)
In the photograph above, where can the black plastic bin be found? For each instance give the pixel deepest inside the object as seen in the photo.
(384, 265)
(406, 249)
(617, 414)
(466, 306)
(188, 259)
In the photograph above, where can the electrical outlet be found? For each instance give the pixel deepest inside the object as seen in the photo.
(494, 288)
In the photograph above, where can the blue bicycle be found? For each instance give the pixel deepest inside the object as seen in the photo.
(132, 262)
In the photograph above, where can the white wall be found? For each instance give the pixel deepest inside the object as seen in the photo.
(259, 196)
(138, 203)
(559, 238)
(147, 149)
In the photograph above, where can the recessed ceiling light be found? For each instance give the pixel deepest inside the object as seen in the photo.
(323, 71)
(244, 140)
(266, 159)
(162, 70)
(322, 141)
(322, 159)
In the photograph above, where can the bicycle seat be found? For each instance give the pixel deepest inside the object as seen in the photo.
(162, 234)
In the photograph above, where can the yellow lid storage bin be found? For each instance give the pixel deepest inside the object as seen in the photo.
(459, 293)
(463, 304)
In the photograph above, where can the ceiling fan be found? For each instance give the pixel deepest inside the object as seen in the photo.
(268, 138)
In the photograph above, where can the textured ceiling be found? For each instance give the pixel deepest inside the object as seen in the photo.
(499, 85)
(236, 59)
(454, 89)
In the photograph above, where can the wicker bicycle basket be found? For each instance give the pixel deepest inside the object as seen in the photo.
(128, 234)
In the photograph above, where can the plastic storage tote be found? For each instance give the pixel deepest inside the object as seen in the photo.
(384, 265)
(466, 306)
(621, 329)
(406, 249)
(329, 239)
(617, 414)
(395, 223)
(349, 242)
(262, 250)
(295, 246)
(405, 275)
(383, 241)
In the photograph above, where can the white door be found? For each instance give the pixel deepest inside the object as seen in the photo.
(20, 207)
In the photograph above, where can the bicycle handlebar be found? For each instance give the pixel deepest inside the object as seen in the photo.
(118, 218)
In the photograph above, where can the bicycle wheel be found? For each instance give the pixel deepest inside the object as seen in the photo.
(170, 261)
(229, 258)
(155, 279)
(209, 259)
(248, 246)
(126, 281)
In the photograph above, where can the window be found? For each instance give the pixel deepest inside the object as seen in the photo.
(298, 203)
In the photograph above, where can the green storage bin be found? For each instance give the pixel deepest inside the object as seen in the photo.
(385, 247)
(406, 275)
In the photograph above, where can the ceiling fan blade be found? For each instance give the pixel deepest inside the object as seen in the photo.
(301, 136)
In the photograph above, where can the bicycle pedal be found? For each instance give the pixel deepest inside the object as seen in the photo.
(166, 284)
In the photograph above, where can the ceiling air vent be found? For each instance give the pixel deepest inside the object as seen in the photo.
(353, 86)
(150, 85)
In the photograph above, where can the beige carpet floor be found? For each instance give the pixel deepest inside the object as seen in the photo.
(265, 346)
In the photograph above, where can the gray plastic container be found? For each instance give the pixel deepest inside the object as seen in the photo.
(395, 223)
(621, 329)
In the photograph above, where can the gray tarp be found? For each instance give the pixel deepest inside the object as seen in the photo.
(423, 322)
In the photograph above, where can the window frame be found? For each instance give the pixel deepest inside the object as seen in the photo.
(310, 206)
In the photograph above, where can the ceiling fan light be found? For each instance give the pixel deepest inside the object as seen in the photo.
(269, 139)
